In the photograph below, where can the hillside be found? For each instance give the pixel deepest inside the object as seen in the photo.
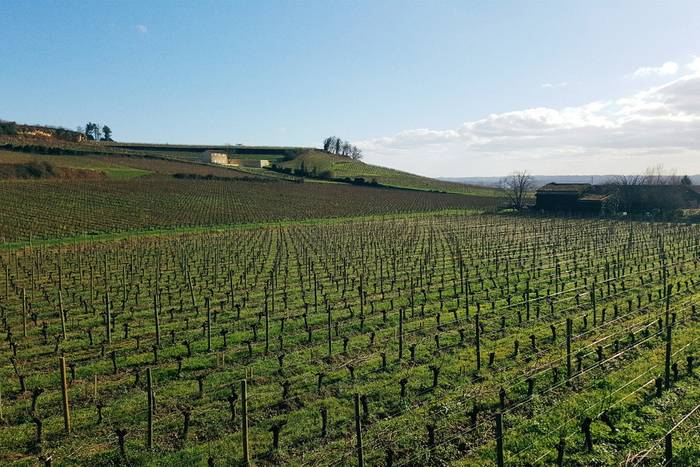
(99, 188)
(320, 164)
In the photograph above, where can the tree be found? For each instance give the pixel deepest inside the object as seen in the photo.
(515, 186)
(356, 153)
(654, 175)
(93, 131)
(686, 180)
(337, 146)
(107, 132)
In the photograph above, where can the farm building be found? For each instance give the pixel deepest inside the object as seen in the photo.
(561, 196)
(253, 163)
(256, 163)
(584, 197)
(214, 157)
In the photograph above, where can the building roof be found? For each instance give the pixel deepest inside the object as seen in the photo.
(564, 188)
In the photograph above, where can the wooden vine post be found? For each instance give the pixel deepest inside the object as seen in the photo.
(667, 366)
(244, 422)
(149, 389)
(108, 318)
(64, 390)
(358, 431)
(401, 313)
(208, 325)
(477, 331)
(63, 315)
(499, 439)
(568, 347)
(330, 337)
(24, 312)
(156, 318)
(595, 312)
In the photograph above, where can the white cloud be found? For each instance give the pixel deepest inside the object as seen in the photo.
(694, 65)
(667, 69)
(141, 28)
(658, 125)
(562, 84)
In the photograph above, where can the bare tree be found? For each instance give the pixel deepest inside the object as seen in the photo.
(356, 153)
(654, 175)
(338, 146)
(329, 143)
(516, 186)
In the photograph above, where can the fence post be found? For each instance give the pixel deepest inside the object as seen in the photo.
(668, 450)
(358, 430)
(244, 421)
(64, 390)
(499, 439)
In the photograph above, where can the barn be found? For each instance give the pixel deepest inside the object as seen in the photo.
(584, 197)
(561, 196)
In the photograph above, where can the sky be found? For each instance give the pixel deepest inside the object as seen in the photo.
(440, 88)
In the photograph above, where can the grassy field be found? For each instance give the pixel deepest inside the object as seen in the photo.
(310, 315)
(321, 164)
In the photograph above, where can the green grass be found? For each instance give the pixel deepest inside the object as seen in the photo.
(386, 254)
(324, 165)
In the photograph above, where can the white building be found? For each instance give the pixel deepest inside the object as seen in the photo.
(214, 157)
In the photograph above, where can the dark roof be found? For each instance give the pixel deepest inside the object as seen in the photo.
(573, 188)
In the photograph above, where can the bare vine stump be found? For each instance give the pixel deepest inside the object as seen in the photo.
(121, 434)
(275, 429)
(586, 429)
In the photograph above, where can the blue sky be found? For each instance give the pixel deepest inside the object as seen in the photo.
(443, 88)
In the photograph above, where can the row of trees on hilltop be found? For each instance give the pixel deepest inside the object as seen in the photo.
(93, 132)
(339, 147)
(655, 175)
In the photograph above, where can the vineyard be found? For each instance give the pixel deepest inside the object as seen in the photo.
(413, 340)
(47, 209)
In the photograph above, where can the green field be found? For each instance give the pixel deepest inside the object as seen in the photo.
(280, 305)
(324, 165)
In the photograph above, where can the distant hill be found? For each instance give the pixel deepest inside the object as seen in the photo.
(541, 180)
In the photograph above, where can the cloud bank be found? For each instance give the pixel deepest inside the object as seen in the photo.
(660, 125)
(668, 68)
